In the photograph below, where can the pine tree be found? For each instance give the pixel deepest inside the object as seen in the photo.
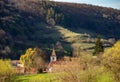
(98, 46)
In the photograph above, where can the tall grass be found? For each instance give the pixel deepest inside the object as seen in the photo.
(91, 71)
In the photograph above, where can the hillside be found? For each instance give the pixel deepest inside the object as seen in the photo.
(100, 20)
(30, 23)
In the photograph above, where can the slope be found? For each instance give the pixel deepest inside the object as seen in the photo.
(30, 23)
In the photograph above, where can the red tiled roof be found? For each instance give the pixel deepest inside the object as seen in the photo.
(54, 62)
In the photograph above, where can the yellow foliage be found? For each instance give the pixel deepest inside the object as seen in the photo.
(32, 58)
(28, 57)
(111, 60)
(5, 67)
(6, 71)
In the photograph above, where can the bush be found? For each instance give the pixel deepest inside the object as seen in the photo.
(6, 71)
(111, 61)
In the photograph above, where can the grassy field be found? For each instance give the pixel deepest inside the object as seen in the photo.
(54, 77)
(76, 39)
(45, 77)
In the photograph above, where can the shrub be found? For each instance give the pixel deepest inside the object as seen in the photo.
(111, 60)
(6, 71)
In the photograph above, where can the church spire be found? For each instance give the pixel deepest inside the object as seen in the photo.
(53, 52)
(53, 56)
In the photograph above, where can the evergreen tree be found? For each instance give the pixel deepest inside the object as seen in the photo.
(98, 46)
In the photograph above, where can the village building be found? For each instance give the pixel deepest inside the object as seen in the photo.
(53, 57)
(56, 65)
(53, 60)
(18, 67)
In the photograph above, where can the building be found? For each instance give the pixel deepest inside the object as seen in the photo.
(53, 61)
(53, 57)
(18, 67)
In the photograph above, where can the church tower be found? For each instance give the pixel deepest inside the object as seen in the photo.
(53, 56)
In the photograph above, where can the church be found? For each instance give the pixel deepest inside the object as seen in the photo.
(53, 57)
(53, 60)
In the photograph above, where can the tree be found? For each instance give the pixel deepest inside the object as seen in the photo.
(49, 14)
(51, 22)
(33, 58)
(111, 60)
(98, 46)
(6, 71)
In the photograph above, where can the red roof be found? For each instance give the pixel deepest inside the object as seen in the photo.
(53, 62)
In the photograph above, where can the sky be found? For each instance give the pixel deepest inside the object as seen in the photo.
(106, 3)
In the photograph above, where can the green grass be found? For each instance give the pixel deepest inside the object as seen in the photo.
(53, 77)
(105, 77)
(76, 39)
(45, 77)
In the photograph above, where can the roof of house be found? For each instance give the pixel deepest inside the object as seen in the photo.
(15, 61)
(53, 52)
(54, 63)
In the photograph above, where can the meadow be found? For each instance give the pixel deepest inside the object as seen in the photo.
(60, 77)
(44, 77)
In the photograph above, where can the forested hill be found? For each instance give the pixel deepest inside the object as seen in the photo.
(30, 23)
(105, 21)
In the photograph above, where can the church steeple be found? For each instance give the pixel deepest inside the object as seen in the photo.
(53, 52)
(53, 56)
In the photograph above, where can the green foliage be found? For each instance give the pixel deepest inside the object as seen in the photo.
(98, 46)
(33, 59)
(111, 60)
(6, 71)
